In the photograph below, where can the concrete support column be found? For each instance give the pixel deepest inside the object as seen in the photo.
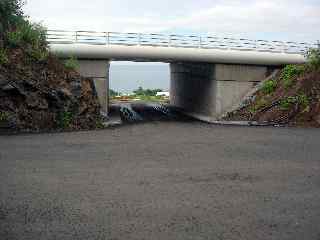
(206, 91)
(192, 88)
(98, 70)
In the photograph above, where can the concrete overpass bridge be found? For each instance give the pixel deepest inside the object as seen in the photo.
(208, 74)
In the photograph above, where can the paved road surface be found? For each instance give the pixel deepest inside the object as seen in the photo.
(162, 181)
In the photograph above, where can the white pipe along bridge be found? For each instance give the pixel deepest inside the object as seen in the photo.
(209, 74)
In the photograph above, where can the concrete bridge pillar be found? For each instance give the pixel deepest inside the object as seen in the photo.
(98, 70)
(206, 91)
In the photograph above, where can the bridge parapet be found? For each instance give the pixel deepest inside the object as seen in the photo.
(176, 41)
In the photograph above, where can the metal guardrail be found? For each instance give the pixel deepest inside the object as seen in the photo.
(178, 41)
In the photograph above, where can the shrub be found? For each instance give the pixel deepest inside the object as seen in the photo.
(303, 100)
(27, 33)
(286, 103)
(289, 73)
(113, 93)
(65, 119)
(146, 92)
(300, 99)
(10, 14)
(99, 124)
(269, 86)
(3, 56)
(314, 59)
(3, 116)
(72, 63)
(38, 54)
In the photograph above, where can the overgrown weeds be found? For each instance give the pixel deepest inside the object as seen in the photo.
(269, 86)
(290, 73)
(4, 116)
(72, 63)
(313, 59)
(65, 119)
(302, 100)
(260, 103)
(3, 56)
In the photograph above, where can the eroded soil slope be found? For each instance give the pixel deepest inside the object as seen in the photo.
(291, 98)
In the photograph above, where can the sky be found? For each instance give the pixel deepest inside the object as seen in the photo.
(283, 20)
(290, 20)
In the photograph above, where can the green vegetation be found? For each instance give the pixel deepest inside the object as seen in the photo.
(72, 63)
(146, 92)
(289, 73)
(65, 119)
(10, 15)
(286, 103)
(148, 95)
(301, 99)
(4, 116)
(314, 59)
(99, 124)
(113, 93)
(27, 34)
(16, 31)
(260, 103)
(3, 56)
(149, 98)
(269, 86)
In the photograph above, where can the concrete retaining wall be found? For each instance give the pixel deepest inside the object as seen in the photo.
(206, 91)
(98, 70)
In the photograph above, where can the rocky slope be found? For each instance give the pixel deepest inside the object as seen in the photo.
(44, 95)
(291, 98)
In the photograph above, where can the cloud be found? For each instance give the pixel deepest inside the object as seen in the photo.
(281, 19)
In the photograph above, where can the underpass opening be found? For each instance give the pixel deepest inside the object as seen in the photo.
(139, 91)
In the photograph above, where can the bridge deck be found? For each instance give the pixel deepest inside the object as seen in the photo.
(170, 48)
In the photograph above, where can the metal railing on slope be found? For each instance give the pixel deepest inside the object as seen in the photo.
(178, 41)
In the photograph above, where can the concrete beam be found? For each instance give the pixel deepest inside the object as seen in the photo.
(98, 70)
(174, 54)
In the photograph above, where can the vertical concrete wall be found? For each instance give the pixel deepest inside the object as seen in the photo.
(206, 91)
(98, 70)
(233, 83)
(192, 87)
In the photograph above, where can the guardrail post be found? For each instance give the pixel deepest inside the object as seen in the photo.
(284, 47)
(139, 39)
(76, 36)
(318, 44)
(256, 45)
(169, 41)
(200, 42)
(108, 38)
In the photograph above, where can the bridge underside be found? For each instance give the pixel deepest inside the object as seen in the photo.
(206, 91)
(202, 90)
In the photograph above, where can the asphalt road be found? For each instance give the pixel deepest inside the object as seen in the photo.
(165, 180)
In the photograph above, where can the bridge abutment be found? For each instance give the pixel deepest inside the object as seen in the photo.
(98, 70)
(206, 91)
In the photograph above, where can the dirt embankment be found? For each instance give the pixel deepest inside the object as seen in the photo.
(45, 96)
(291, 98)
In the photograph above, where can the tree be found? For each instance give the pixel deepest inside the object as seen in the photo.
(113, 93)
(11, 14)
(146, 92)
